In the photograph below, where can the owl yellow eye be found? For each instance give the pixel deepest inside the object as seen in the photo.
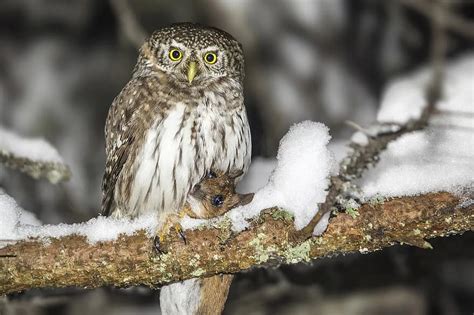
(210, 58)
(175, 54)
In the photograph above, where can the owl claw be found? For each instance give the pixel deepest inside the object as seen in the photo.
(183, 237)
(160, 240)
(179, 229)
(158, 246)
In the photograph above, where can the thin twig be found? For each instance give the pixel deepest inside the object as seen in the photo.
(451, 21)
(129, 24)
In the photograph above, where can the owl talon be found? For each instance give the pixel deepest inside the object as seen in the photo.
(158, 246)
(160, 242)
(183, 237)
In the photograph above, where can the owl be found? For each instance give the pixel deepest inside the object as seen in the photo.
(181, 115)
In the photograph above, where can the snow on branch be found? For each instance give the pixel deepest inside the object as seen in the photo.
(439, 157)
(366, 147)
(130, 260)
(407, 107)
(34, 157)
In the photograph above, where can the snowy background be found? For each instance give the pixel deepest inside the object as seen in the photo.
(62, 63)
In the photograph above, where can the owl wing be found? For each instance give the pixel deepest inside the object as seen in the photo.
(113, 168)
(125, 124)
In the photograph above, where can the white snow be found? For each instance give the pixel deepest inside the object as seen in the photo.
(9, 216)
(322, 224)
(35, 149)
(28, 218)
(404, 98)
(439, 158)
(458, 93)
(98, 229)
(12, 216)
(300, 179)
(340, 148)
(360, 138)
(18, 224)
(262, 168)
(258, 175)
(436, 159)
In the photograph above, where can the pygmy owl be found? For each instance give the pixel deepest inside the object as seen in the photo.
(181, 115)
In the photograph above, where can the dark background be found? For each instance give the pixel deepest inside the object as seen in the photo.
(63, 62)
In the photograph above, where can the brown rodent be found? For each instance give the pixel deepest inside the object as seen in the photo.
(215, 195)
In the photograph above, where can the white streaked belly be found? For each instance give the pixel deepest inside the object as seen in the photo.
(163, 178)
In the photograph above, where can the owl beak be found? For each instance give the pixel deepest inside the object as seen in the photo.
(192, 71)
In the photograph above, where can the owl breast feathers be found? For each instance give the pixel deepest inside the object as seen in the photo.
(181, 114)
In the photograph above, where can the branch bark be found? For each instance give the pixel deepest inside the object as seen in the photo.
(130, 260)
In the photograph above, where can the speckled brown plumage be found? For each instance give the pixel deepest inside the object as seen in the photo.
(164, 133)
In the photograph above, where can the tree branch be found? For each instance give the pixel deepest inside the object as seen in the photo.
(130, 260)
(450, 21)
(53, 171)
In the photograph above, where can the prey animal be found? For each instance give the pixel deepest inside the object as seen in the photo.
(212, 197)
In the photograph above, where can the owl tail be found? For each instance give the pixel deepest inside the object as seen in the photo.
(205, 296)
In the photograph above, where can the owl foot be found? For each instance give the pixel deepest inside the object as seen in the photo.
(160, 241)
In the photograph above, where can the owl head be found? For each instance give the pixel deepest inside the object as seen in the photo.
(192, 55)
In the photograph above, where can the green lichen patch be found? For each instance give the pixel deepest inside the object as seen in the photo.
(194, 260)
(283, 215)
(198, 272)
(298, 253)
(262, 252)
(261, 255)
(351, 207)
(352, 212)
(202, 226)
(377, 200)
(225, 228)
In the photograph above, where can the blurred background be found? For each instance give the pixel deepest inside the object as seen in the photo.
(63, 62)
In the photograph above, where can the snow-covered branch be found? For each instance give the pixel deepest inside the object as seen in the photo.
(130, 260)
(366, 148)
(34, 157)
(407, 107)
(89, 255)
